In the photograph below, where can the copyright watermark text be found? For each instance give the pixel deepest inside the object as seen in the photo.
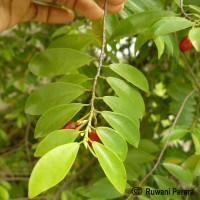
(169, 191)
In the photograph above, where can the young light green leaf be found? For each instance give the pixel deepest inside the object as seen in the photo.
(55, 139)
(4, 194)
(52, 95)
(124, 91)
(73, 78)
(57, 61)
(132, 75)
(123, 107)
(159, 41)
(111, 165)
(113, 141)
(124, 126)
(184, 176)
(73, 41)
(52, 168)
(194, 36)
(55, 118)
(139, 22)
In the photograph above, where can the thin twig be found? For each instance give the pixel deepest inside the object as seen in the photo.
(100, 65)
(167, 142)
(168, 136)
(189, 68)
(184, 13)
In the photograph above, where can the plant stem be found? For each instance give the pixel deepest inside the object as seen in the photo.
(100, 64)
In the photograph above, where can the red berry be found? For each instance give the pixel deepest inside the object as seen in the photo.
(185, 44)
(70, 125)
(93, 136)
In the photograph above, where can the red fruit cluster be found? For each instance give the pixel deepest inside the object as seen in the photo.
(93, 136)
(185, 44)
(69, 125)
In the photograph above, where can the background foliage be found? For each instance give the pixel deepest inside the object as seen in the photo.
(145, 35)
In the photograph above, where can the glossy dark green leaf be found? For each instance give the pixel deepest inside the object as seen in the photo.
(124, 91)
(132, 75)
(55, 118)
(194, 36)
(73, 41)
(124, 126)
(73, 78)
(184, 176)
(52, 168)
(123, 107)
(112, 166)
(139, 22)
(114, 141)
(51, 95)
(55, 139)
(57, 61)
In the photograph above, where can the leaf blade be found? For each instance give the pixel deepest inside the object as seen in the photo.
(53, 166)
(111, 165)
(51, 95)
(132, 75)
(52, 62)
(60, 115)
(124, 126)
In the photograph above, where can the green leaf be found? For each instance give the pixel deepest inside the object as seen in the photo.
(194, 36)
(52, 168)
(55, 139)
(55, 118)
(132, 75)
(138, 23)
(57, 61)
(184, 176)
(163, 27)
(4, 195)
(124, 126)
(159, 41)
(97, 27)
(51, 95)
(123, 107)
(73, 41)
(140, 156)
(148, 146)
(73, 78)
(124, 91)
(103, 189)
(177, 134)
(163, 182)
(170, 25)
(111, 165)
(113, 141)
